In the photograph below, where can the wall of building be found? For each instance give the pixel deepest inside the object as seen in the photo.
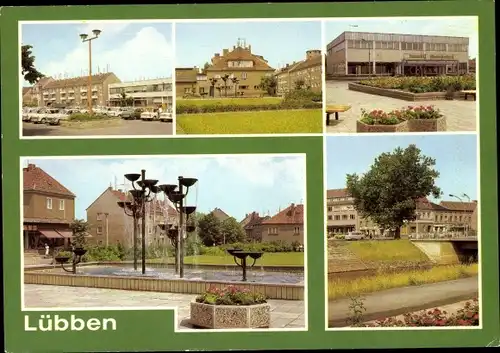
(283, 232)
(35, 206)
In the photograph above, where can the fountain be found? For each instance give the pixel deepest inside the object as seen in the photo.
(242, 255)
(77, 258)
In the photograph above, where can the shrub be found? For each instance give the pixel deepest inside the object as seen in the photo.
(102, 253)
(87, 117)
(423, 84)
(379, 117)
(64, 253)
(421, 112)
(230, 295)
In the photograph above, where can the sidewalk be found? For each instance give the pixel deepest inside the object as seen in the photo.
(397, 301)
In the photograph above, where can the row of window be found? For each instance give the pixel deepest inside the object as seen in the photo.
(274, 231)
(343, 217)
(63, 90)
(163, 87)
(49, 204)
(414, 46)
(340, 208)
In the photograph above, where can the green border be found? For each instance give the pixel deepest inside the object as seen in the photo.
(153, 330)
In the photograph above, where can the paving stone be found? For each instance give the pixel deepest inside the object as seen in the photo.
(460, 114)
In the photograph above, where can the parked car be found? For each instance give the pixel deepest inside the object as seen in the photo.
(166, 116)
(150, 115)
(355, 236)
(27, 113)
(40, 116)
(130, 113)
(56, 117)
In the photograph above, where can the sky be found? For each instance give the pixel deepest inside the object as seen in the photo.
(455, 155)
(278, 42)
(131, 50)
(237, 184)
(441, 26)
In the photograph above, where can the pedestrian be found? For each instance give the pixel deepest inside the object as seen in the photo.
(47, 248)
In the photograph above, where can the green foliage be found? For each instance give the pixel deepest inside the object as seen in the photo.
(303, 95)
(80, 230)
(28, 70)
(104, 253)
(300, 84)
(232, 231)
(269, 84)
(356, 309)
(64, 253)
(379, 117)
(267, 247)
(220, 107)
(87, 117)
(388, 192)
(231, 295)
(209, 229)
(424, 84)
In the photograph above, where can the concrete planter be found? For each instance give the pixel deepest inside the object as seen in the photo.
(427, 125)
(362, 127)
(230, 316)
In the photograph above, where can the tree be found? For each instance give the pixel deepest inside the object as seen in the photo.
(28, 70)
(388, 192)
(209, 229)
(206, 66)
(269, 84)
(232, 231)
(224, 78)
(80, 231)
(126, 101)
(235, 83)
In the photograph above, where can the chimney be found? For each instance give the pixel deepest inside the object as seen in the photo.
(31, 166)
(249, 48)
(216, 55)
(224, 52)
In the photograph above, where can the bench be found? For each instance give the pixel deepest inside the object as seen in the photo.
(469, 93)
(335, 109)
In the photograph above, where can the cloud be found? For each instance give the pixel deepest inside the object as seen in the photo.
(109, 28)
(148, 54)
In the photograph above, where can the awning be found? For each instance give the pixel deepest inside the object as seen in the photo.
(65, 233)
(430, 62)
(51, 234)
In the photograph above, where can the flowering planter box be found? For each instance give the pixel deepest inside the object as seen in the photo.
(362, 127)
(230, 316)
(427, 125)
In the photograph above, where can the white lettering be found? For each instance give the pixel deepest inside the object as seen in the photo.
(45, 319)
(74, 321)
(57, 323)
(27, 326)
(93, 324)
(105, 324)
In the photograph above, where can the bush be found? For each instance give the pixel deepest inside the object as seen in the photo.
(267, 247)
(303, 95)
(230, 295)
(424, 84)
(379, 117)
(87, 117)
(64, 253)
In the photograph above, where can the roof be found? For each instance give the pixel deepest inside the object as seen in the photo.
(424, 204)
(253, 219)
(36, 179)
(240, 53)
(186, 74)
(316, 60)
(459, 206)
(78, 81)
(332, 193)
(26, 90)
(221, 215)
(293, 214)
(43, 81)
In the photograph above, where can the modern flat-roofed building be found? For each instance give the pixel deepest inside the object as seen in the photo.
(145, 93)
(364, 53)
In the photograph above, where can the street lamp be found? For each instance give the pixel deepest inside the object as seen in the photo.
(85, 38)
(176, 194)
(143, 191)
(369, 55)
(465, 195)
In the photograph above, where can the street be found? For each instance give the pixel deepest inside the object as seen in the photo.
(460, 114)
(108, 128)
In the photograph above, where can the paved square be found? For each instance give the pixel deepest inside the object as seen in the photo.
(284, 313)
(460, 114)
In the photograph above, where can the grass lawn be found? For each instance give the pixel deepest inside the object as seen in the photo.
(387, 251)
(254, 122)
(229, 101)
(268, 259)
(339, 288)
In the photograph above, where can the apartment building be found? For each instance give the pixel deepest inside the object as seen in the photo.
(365, 53)
(48, 210)
(191, 82)
(145, 93)
(73, 91)
(447, 216)
(309, 72)
(109, 225)
(286, 226)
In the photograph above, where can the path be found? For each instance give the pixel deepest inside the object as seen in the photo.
(285, 313)
(119, 128)
(397, 301)
(460, 114)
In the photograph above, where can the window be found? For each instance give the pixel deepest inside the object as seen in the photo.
(61, 205)
(99, 229)
(187, 90)
(329, 208)
(243, 75)
(49, 203)
(337, 218)
(272, 231)
(296, 231)
(202, 90)
(352, 216)
(99, 216)
(330, 218)
(344, 217)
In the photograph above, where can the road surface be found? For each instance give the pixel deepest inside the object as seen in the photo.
(107, 128)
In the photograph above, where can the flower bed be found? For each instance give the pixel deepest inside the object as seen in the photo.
(413, 119)
(466, 316)
(423, 84)
(230, 308)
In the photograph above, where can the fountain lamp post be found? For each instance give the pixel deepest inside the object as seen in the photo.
(77, 258)
(176, 194)
(143, 190)
(242, 255)
(132, 209)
